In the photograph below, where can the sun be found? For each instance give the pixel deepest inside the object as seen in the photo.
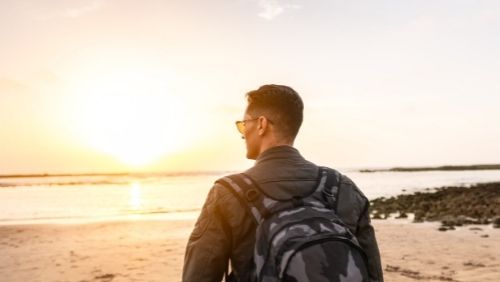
(130, 113)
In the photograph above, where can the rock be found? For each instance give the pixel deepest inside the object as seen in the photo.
(443, 228)
(484, 220)
(496, 222)
(453, 206)
(419, 216)
(402, 215)
(449, 221)
(461, 220)
(446, 228)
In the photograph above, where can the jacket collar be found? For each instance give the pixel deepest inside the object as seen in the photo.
(278, 152)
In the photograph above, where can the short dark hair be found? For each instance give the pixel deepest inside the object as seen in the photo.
(281, 104)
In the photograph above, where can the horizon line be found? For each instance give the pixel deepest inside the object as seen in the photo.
(212, 172)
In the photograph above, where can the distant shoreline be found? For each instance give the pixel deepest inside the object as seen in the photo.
(137, 174)
(437, 168)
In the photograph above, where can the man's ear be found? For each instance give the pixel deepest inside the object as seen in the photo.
(262, 125)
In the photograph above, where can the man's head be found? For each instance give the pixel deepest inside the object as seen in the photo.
(273, 117)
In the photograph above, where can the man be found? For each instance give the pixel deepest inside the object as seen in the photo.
(226, 232)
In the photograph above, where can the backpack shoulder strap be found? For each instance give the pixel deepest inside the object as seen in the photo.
(246, 190)
(332, 187)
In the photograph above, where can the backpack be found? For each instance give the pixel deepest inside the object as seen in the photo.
(300, 239)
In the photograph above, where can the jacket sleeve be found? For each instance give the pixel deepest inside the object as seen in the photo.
(366, 238)
(208, 248)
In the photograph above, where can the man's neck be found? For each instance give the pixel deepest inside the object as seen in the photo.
(273, 143)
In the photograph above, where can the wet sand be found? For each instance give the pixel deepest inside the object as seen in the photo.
(154, 251)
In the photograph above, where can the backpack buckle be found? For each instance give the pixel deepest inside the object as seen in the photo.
(251, 195)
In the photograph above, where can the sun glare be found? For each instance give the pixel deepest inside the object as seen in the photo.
(135, 195)
(131, 114)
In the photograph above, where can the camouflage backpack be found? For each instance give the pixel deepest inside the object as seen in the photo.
(301, 239)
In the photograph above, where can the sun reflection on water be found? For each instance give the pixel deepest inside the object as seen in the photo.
(135, 193)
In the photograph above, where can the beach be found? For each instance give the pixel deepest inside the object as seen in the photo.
(135, 228)
(154, 250)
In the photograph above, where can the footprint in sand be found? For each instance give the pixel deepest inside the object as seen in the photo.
(105, 277)
(473, 264)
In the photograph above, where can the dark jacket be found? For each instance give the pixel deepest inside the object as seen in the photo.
(225, 232)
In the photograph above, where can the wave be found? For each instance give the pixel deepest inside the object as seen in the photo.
(93, 178)
(63, 183)
(96, 217)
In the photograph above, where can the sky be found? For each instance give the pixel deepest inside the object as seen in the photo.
(109, 86)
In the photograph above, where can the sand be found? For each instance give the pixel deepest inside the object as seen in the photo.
(154, 251)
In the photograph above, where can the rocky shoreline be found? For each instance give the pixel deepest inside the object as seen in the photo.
(452, 206)
(437, 168)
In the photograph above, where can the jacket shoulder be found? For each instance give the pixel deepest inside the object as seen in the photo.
(346, 183)
(349, 185)
(351, 202)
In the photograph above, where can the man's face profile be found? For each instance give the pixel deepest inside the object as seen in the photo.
(250, 136)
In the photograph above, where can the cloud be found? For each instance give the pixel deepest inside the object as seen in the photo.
(273, 8)
(45, 13)
(80, 11)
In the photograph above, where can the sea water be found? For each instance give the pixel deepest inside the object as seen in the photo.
(89, 198)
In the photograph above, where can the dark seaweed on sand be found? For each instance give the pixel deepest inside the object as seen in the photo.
(452, 206)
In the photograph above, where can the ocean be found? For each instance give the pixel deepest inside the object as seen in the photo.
(90, 198)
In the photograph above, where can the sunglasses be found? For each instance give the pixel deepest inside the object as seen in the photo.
(240, 124)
